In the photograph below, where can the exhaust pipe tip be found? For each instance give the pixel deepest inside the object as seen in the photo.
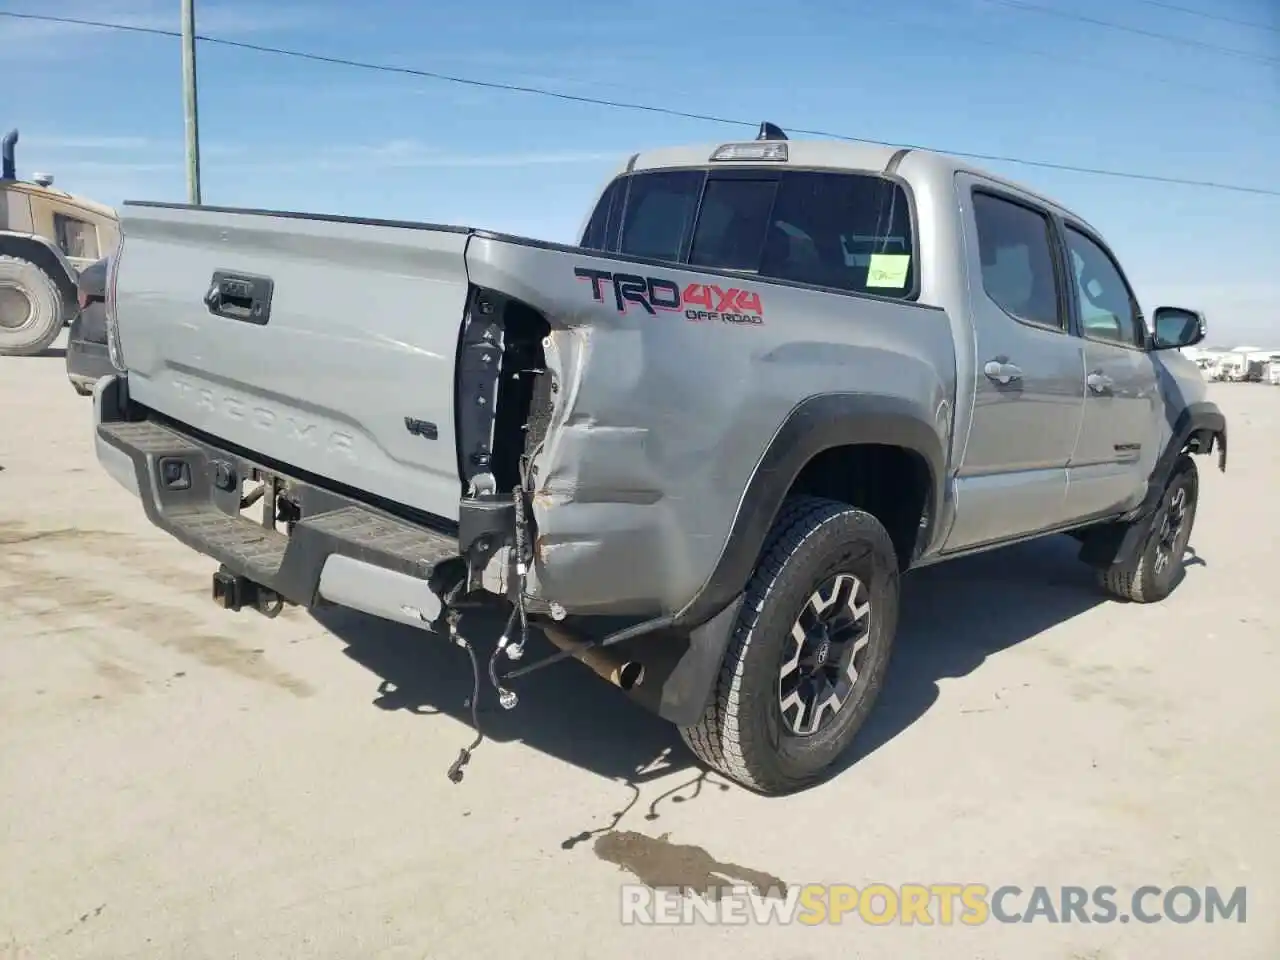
(625, 674)
(630, 675)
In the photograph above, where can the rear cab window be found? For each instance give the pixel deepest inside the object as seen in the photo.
(840, 230)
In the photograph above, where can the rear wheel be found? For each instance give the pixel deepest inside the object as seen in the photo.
(31, 313)
(809, 652)
(1161, 564)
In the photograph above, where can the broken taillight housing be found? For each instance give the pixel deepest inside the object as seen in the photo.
(114, 349)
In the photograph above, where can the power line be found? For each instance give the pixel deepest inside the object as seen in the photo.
(1137, 31)
(1251, 24)
(640, 107)
(1058, 57)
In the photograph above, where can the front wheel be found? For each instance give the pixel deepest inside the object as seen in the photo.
(1161, 564)
(809, 651)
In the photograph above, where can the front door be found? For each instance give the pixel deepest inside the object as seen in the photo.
(1029, 372)
(1115, 453)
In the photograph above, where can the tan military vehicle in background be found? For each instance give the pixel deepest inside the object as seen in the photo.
(46, 238)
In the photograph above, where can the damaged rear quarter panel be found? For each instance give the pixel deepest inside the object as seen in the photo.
(661, 421)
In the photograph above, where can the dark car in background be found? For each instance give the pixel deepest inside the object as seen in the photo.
(87, 355)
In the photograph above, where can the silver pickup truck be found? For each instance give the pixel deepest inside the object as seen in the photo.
(698, 449)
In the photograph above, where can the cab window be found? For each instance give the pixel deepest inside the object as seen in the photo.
(1107, 308)
(1015, 244)
(76, 238)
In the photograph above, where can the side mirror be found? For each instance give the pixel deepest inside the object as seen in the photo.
(1176, 328)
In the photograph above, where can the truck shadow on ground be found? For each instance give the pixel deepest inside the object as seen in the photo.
(954, 616)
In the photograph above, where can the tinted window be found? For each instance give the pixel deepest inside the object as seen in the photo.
(731, 224)
(658, 213)
(598, 236)
(844, 231)
(847, 231)
(1016, 250)
(1107, 310)
(841, 230)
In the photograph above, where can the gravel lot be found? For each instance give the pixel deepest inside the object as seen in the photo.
(176, 781)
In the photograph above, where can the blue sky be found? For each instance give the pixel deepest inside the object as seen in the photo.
(967, 75)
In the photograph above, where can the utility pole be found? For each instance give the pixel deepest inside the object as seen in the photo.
(189, 100)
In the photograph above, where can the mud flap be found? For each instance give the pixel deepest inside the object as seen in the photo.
(1121, 543)
(1118, 544)
(681, 669)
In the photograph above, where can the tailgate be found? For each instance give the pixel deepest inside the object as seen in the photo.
(326, 339)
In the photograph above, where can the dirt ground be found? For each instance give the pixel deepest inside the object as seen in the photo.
(176, 781)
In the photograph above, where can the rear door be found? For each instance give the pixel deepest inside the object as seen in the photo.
(1115, 451)
(313, 342)
(1029, 371)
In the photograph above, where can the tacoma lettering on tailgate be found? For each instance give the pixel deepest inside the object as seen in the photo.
(700, 301)
(230, 407)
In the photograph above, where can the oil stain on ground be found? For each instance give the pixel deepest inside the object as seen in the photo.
(659, 863)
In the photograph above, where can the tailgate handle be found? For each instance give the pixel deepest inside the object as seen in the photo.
(240, 296)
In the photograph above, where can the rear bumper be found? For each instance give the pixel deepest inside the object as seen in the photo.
(88, 359)
(341, 551)
(345, 552)
(87, 362)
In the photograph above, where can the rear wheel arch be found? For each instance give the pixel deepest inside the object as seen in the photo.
(821, 437)
(892, 483)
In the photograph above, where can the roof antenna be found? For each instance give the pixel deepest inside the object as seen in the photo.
(770, 131)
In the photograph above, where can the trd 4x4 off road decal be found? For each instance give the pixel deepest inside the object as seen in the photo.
(699, 301)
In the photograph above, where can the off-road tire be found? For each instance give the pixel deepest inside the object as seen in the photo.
(46, 320)
(1144, 584)
(740, 734)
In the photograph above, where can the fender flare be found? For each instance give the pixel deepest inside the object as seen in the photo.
(819, 423)
(44, 254)
(1199, 427)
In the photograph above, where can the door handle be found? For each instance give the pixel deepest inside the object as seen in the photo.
(240, 296)
(1100, 382)
(1002, 372)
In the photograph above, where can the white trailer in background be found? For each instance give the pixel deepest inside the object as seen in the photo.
(1271, 372)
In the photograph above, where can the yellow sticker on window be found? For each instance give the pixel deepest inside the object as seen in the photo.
(888, 270)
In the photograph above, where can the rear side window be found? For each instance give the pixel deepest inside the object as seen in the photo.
(842, 230)
(1016, 248)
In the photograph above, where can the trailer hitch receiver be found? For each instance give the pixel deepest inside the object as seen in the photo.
(234, 592)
